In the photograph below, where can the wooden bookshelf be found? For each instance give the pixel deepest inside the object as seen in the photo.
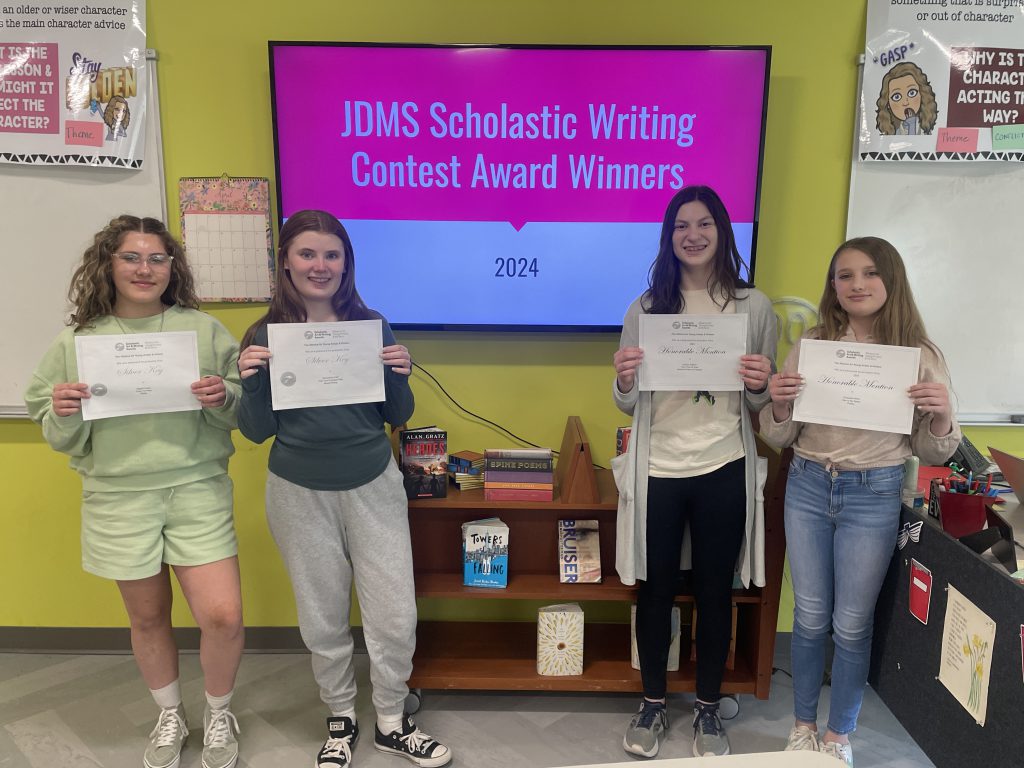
(502, 656)
(481, 655)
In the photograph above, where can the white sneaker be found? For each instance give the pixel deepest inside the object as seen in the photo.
(839, 751)
(166, 739)
(802, 738)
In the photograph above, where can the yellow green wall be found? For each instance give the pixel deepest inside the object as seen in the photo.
(216, 118)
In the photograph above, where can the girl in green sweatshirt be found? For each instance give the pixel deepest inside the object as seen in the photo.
(156, 494)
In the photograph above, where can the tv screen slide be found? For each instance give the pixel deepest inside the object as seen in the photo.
(513, 187)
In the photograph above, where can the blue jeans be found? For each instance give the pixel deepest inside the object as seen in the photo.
(840, 534)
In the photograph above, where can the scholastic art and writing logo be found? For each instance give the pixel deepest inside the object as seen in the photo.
(840, 353)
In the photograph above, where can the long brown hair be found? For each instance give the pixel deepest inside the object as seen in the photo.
(885, 120)
(898, 321)
(663, 295)
(287, 306)
(92, 292)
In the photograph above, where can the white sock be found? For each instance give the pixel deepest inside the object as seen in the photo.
(349, 713)
(219, 702)
(167, 697)
(389, 723)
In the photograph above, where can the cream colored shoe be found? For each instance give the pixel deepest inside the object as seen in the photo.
(802, 738)
(839, 751)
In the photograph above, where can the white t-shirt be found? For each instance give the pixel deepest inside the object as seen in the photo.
(691, 438)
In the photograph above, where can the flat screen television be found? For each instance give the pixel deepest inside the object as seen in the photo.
(511, 187)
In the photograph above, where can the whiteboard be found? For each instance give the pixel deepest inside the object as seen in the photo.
(50, 214)
(960, 230)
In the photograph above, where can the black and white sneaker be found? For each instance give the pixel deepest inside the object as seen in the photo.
(343, 733)
(413, 744)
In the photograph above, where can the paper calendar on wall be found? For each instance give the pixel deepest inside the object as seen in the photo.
(226, 228)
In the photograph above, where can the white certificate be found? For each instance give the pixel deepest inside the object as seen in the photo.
(700, 352)
(135, 373)
(857, 385)
(317, 364)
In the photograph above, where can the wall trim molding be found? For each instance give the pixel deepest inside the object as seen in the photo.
(118, 639)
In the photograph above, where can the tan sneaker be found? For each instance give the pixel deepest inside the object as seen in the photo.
(166, 739)
(802, 738)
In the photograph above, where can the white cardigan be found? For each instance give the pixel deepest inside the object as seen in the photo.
(630, 469)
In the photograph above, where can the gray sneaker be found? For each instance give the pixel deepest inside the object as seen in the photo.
(220, 747)
(166, 739)
(839, 751)
(709, 739)
(646, 729)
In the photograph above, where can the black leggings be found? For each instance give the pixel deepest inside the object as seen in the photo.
(715, 506)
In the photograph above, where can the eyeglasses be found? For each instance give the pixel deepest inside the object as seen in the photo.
(154, 260)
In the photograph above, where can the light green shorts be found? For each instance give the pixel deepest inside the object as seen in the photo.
(128, 535)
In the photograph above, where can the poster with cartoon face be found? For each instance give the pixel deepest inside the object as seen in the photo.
(73, 84)
(943, 81)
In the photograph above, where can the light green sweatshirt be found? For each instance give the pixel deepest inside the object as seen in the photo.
(134, 453)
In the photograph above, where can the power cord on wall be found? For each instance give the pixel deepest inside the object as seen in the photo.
(477, 416)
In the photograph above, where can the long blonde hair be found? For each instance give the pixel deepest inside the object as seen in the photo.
(898, 322)
(92, 292)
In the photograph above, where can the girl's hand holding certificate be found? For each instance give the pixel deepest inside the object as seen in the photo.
(627, 361)
(397, 357)
(67, 398)
(251, 359)
(933, 397)
(210, 391)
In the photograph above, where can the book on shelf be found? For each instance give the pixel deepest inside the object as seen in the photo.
(500, 476)
(517, 494)
(579, 552)
(519, 465)
(485, 553)
(622, 440)
(466, 469)
(424, 462)
(518, 453)
(467, 482)
(673, 648)
(522, 486)
(466, 463)
(560, 640)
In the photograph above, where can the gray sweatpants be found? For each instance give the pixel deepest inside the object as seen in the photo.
(328, 537)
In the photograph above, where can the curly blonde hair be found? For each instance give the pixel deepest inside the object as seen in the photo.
(92, 292)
